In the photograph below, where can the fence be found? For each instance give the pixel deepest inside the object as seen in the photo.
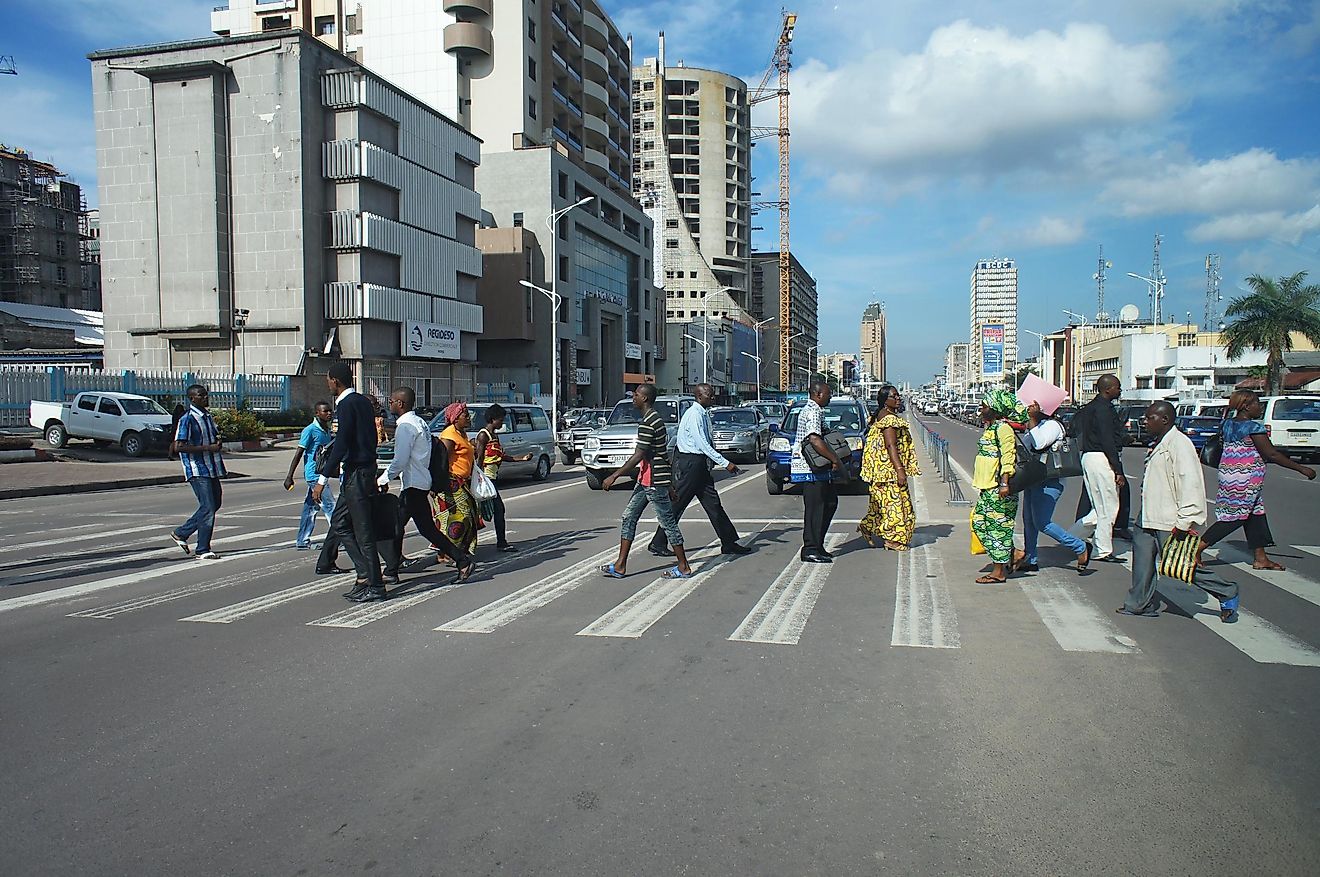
(19, 386)
(938, 449)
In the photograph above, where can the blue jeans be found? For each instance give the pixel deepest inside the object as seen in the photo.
(307, 522)
(202, 521)
(1037, 517)
(664, 513)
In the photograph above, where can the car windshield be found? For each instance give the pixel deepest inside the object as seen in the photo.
(625, 412)
(744, 418)
(846, 416)
(142, 406)
(1201, 422)
(1297, 409)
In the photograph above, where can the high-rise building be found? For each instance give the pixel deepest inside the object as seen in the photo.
(842, 365)
(956, 367)
(802, 323)
(266, 204)
(994, 316)
(40, 216)
(874, 348)
(691, 162)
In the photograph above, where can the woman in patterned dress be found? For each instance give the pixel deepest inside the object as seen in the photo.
(889, 460)
(996, 508)
(1238, 503)
(456, 510)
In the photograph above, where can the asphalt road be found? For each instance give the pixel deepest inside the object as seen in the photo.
(880, 716)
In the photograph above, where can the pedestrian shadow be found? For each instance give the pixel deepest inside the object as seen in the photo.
(929, 534)
(438, 576)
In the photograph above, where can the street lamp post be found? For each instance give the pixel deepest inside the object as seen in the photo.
(705, 353)
(552, 223)
(760, 376)
(757, 358)
(240, 323)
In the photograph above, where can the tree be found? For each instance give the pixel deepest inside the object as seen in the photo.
(1266, 318)
(1026, 368)
(830, 378)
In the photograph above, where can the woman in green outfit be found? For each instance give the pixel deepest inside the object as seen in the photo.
(996, 508)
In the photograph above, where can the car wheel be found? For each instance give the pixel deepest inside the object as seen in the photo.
(594, 481)
(760, 454)
(542, 468)
(773, 485)
(56, 435)
(133, 444)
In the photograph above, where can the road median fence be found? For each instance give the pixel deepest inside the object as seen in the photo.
(938, 449)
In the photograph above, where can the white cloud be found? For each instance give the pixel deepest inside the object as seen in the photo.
(975, 100)
(1053, 231)
(1270, 225)
(1254, 181)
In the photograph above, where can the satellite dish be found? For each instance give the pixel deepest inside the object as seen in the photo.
(1129, 314)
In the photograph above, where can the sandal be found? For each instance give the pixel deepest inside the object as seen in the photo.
(870, 540)
(609, 571)
(1083, 564)
(675, 573)
(465, 572)
(1268, 565)
(1148, 612)
(991, 580)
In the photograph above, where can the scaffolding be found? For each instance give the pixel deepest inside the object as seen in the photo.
(33, 201)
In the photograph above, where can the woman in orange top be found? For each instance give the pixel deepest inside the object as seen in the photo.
(457, 515)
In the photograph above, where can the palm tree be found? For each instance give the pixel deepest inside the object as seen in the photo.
(1266, 318)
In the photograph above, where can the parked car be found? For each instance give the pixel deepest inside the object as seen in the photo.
(1201, 408)
(1132, 418)
(135, 423)
(844, 414)
(607, 448)
(1294, 424)
(526, 431)
(740, 432)
(931, 408)
(1199, 429)
(772, 411)
(574, 436)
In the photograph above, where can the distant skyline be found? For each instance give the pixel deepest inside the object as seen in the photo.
(927, 137)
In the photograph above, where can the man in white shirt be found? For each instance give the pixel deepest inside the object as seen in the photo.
(1172, 503)
(692, 476)
(412, 465)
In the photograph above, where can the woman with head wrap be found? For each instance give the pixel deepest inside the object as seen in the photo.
(996, 508)
(888, 461)
(456, 510)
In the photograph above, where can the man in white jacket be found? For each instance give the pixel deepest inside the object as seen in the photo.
(1172, 502)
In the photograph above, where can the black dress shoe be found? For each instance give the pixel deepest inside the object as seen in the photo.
(816, 557)
(736, 549)
(506, 548)
(357, 590)
(660, 552)
(829, 554)
(332, 571)
(368, 595)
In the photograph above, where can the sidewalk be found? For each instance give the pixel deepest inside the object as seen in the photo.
(64, 476)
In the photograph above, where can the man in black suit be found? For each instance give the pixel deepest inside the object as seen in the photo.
(353, 451)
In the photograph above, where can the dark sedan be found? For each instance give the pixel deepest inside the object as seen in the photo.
(1199, 429)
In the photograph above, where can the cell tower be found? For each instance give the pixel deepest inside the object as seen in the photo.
(1099, 277)
(1212, 294)
(1158, 280)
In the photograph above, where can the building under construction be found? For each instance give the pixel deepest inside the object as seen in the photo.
(41, 236)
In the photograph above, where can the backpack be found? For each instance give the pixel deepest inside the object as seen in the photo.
(439, 465)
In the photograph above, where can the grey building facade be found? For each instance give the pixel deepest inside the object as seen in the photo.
(803, 322)
(273, 175)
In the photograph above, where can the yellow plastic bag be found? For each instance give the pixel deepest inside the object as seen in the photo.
(977, 547)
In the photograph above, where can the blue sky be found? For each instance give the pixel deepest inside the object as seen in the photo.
(927, 136)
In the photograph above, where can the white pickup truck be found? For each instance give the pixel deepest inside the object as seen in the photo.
(135, 423)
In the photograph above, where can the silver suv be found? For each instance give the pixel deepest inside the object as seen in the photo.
(609, 447)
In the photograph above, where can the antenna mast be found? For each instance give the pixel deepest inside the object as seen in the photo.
(1099, 277)
(1157, 285)
(1212, 295)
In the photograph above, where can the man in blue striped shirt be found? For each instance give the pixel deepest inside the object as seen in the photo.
(197, 442)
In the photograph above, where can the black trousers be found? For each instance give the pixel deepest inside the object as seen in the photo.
(693, 480)
(350, 526)
(820, 500)
(1255, 526)
(1124, 519)
(415, 506)
(501, 526)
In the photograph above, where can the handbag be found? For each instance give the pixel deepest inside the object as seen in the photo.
(1212, 452)
(482, 488)
(1063, 459)
(838, 443)
(1178, 557)
(977, 547)
(1028, 470)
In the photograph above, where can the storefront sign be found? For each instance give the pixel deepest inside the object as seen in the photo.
(612, 298)
(582, 377)
(430, 340)
(992, 349)
(632, 351)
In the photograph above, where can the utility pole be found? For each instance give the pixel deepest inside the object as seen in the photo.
(1099, 277)
(1212, 294)
(1157, 285)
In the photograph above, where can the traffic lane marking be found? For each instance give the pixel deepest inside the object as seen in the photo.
(1076, 623)
(1285, 579)
(924, 614)
(74, 569)
(781, 615)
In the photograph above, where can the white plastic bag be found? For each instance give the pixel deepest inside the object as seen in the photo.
(482, 487)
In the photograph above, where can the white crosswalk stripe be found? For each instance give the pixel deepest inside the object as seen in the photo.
(359, 616)
(1075, 622)
(1309, 549)
(781, 614)
(99, 559)
(506, 610)
(266, 602)
(1283, 579)
(114, 610)
(924, 615)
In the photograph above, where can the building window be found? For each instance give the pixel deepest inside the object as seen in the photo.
(671, 223)
(325, 25)
(517, 220)
(531, 107)
(531, 69)
(563, 185)
(60, 248)
(61, 275)
(531, 30)
(563, 268)
(671, 243)
(275, 22)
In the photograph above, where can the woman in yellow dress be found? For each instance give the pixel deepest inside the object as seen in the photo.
(456, 511)
(889, 459)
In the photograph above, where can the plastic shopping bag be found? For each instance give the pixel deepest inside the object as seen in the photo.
(482, 487)
(977, 547)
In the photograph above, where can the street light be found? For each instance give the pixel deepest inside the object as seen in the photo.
(705, 353)
(1156, 285)
(240, 323)
(552, 223)
(760, 375)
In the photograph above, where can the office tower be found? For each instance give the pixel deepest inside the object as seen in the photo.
(993, 324)
(874, 348)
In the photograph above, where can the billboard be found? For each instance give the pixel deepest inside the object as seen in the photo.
(430, 341)
(992, 350)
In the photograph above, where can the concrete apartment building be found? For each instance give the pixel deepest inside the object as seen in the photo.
(874, 345)
(691, 159)
(40, 241)
(957, 367)
(993, 325)
(271, 174)
(841, 365)
(803, 326)
(545, 86)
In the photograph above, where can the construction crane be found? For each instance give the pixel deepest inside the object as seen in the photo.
(780, 62)
(7, 65)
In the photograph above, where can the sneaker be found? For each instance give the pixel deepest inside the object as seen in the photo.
(208, 555)
(181, 542)
(306, 546)
(1228, 610)
(506, 548)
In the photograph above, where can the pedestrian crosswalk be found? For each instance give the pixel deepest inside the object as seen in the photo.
(1074, 616)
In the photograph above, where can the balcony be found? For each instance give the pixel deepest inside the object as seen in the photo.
(563, 63)
(461, 8)
(597, 99)
(595, 30)
(596, 58)
(598, 133)
(468, 40)
(568, 138)
(567, 101)
(596, 158)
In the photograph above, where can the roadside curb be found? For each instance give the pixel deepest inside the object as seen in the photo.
(97, 486)
(258, 445)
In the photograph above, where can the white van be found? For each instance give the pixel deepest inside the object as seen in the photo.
(1294, 424)
(1201, 408)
